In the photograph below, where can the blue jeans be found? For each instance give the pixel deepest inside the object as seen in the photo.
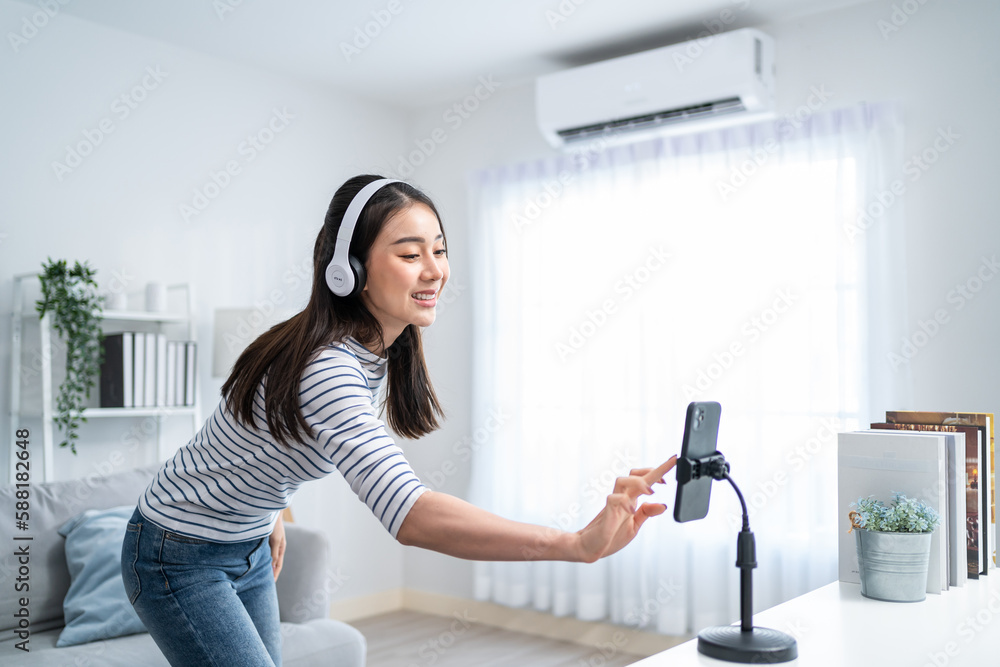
(204, 603)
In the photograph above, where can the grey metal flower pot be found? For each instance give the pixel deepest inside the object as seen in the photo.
(893, 566)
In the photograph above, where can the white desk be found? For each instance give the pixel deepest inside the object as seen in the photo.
(834, 625)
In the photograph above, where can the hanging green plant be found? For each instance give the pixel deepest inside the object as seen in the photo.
(71, 296)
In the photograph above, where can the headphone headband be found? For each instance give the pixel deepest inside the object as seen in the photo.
(341, 277)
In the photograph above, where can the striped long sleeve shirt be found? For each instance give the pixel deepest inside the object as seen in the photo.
(229, 482)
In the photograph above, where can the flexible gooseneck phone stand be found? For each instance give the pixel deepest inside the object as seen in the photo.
(745, 643)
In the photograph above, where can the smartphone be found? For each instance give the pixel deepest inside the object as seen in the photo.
(701, 435)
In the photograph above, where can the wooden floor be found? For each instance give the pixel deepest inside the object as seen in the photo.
(413, 639)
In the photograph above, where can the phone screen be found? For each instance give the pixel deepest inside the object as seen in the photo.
(701, 434)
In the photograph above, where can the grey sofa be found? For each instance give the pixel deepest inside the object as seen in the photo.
(308, 637)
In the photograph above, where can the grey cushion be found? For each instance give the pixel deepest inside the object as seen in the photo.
(304, 585)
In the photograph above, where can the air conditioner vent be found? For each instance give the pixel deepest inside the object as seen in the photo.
(658, 119)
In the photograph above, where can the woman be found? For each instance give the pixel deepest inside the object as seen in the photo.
(206, 542)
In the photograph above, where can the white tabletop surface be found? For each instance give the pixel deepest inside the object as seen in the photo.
(835, 625)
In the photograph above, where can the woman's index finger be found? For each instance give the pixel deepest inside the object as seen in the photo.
(656, 474)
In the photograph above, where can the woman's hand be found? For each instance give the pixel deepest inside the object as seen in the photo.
(277, 543)
(620, 520)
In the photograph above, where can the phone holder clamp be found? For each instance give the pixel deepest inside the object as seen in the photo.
(714, 466)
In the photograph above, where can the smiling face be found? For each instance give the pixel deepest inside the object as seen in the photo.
(407, 269)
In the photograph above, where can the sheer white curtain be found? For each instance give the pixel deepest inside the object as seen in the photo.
(753, 266)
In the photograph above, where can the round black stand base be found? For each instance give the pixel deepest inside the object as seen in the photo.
(759, 645)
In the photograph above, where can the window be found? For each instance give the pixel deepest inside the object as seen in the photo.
(618, 285)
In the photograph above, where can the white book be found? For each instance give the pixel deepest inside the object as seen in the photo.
(139, 370)
(149, 393)
(171, 372)
(958, 570)
(191, 372)
(957, 541)
(880, 464)
(952, 522)
(179, 370)
(128, 364)
(161, 370)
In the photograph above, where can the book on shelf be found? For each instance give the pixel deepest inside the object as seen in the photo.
(190, 371)
(149, 392)
(881, 463)
(973, 496)
(161, 370)
(139, 370)
(171, 373)
(179, 367)
(146, 370)
(116, 371)
(988, 530)
(953, 520)
(952, 514)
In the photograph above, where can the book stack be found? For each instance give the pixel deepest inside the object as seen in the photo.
(145, 370)
(941, 458)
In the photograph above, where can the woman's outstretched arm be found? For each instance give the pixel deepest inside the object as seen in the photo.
(450, 525)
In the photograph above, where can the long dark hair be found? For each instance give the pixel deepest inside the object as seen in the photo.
(282, 352)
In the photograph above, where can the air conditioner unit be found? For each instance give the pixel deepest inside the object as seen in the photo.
(714, 81)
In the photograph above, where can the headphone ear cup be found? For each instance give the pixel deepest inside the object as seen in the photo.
(359, 275)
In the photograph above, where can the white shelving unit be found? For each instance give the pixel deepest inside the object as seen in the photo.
(23, 312)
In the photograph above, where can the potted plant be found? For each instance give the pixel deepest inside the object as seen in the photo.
(71, 296)
(894, 545)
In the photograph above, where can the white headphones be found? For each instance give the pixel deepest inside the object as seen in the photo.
(345, 275)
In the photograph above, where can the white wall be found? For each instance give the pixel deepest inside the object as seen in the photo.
(119, 209)
(942, 65)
